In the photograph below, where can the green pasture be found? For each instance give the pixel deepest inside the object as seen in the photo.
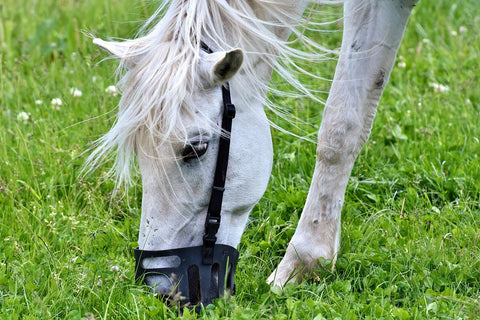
(410, 225)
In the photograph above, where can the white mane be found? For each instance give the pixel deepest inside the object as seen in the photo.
(161, 65)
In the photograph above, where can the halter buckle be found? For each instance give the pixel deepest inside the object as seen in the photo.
(229, 110)
(212, 224)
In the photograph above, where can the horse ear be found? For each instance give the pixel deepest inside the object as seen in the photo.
(221, 66)
(229, 65)
(117, 49)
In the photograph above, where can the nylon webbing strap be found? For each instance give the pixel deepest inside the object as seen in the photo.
(212, 222)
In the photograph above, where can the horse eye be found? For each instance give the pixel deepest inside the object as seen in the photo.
(194, 150)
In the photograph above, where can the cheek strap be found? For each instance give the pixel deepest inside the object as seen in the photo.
(212, 221)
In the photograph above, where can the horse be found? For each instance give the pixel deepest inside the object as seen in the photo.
(170, 118)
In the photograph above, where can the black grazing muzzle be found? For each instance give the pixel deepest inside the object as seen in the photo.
(192, 280)
(205, 272)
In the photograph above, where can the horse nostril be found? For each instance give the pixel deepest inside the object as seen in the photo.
(161, 284)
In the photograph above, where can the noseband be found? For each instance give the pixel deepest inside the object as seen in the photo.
(205, 272)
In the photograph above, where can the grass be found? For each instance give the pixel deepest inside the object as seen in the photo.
(411, 220)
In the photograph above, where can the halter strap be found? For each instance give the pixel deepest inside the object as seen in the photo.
(205, 47)
(212, 221)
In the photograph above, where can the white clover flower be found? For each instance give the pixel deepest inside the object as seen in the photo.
(438, 88)
(56, 103)
(453, 33)
(114, 269)
(289, 156)
(111, 90)
(94, 79)
(426, 40)
(443, 88)
(38, 102)
(76, 92)
(402, 64)
(462, 29)
(23, 117)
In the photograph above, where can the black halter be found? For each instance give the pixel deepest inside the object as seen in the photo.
(206, 271)
(212, 222)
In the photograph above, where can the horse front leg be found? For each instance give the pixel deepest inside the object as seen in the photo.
(373, 30)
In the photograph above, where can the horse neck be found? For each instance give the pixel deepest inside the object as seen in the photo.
(282, 15)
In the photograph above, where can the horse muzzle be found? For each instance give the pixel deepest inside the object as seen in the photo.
(193, 280)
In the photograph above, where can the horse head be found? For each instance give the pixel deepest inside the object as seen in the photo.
(170, 117)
